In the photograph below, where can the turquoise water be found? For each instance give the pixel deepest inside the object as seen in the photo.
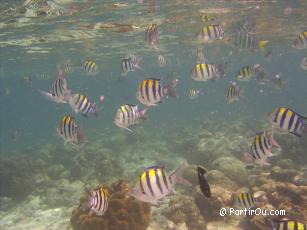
(35, 46)
(26, 110)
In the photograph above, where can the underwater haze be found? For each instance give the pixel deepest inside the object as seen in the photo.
(109, 102)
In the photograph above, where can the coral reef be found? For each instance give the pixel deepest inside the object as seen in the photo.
(124, 212)
(16, 177)
(182, 209)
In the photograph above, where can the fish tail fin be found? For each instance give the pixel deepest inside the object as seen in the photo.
(137, 63)
(142, 114)
(170, 88)
(177, 174)
(86, 204)
(221, 69)
(80, 135)
(96, 110)
(273, 141)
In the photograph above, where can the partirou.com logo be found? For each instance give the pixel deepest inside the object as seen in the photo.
(251, 212)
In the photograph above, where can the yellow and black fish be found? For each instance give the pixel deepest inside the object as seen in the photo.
(209, 33)
(204, 72)
(90, 67)
(233, 93)
(152, 35)
(70, 131)
(128, 115)
(96, 201)
(82, 104)
(206, 17)
(246, 73)
(288, 120)
(301, 41)
(245, 200)
(150, 91)
(261, 148)
(289, 225)
(155, 183)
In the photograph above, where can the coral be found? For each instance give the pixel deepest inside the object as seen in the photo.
(210, 207)
(183, 209)
(233, 168)
(124, 212)
(16, 177)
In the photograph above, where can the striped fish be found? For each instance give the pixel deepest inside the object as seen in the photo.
(194, 93)
(245, 40)
(246, 73)
(58, 90)
(233, 93)
(206, 18)
(70, 131)
(204, 72)
(67, 66)
(150, 92)
(288, 120)
(289, 225)
(210, 33)
(261, 148)
(130, 63)
(301, 41)
(82, 104)
(96, 201)
(152, 35)
(128, 115)
(245, 200)
(154, 183)
(90, 67)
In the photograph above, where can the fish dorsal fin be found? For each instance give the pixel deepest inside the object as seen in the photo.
(154, 167)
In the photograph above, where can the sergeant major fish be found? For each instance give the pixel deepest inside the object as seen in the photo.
(194, 93)
(288, 120)
(248, 199)
(130, 63)
(261, 148)
(246, 73)
(96, 201)
(152, 35)
(301, 41)
(70, 131)
(128, 115)
(90, 67)
(233, 92)
(204, 72)
(288, 225)
(245, 200)
(210, 33)
(150, 92)
(58, 90)
(82, 104)
(154, 183)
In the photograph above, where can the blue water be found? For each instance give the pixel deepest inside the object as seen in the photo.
(35, 118)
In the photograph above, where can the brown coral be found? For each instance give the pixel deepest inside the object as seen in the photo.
(124, 213)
